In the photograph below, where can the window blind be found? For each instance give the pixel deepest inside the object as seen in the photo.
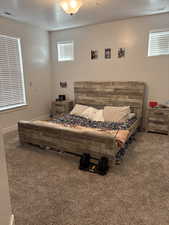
(12, 89)
(158, 43)
(65, 51)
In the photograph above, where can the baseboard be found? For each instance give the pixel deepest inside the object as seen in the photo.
(12, 220)
(14, 127)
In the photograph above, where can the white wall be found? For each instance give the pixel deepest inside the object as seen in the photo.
(36, 65)
(131, 34)
(5, 207)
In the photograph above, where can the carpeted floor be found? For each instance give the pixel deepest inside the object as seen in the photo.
(48, 189)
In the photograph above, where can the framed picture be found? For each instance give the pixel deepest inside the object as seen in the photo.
(94, 54)
(121, 52)
(107, 53)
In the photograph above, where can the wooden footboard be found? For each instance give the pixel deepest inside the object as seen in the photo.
(70, 140)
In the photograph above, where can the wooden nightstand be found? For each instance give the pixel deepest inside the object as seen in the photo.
(60, 107)
(157, 120)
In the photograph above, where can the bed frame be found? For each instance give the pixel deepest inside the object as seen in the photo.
(100, 94)
(97, 94)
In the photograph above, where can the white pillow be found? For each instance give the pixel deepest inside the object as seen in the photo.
(78, 110)
(99, 116)
(89, 113)
(116, 114)
(131, 116)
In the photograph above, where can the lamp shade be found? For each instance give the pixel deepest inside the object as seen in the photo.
(71, 6)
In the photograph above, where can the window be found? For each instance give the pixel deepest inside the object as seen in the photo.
(65, 51)
(158, 43)
(12, 89)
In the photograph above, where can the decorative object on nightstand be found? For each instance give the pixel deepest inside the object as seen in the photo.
(157, 120)
(153, 104)
(60, 107)
(62, 97)
(63, 84)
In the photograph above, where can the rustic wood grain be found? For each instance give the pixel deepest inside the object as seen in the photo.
(59, 107)
(158, 120)
(66, 140)
(100, 94)
(69, 140)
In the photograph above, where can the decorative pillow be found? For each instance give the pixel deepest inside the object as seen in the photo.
(116, 114)
(89, 113)
(99, 116)
(131, 116)
(78, 110)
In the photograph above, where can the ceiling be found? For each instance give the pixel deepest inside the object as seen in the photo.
(49, 15)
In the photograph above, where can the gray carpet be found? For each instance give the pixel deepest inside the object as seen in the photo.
(48, 189)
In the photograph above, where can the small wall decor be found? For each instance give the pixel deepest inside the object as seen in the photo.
(107, 53)
(63, 84)
(94, 54)
(121, 52)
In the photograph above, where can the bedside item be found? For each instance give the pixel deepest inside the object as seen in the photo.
(158, 120)
(59, 107)
(62, 97)
(153, 104)
(63, 84)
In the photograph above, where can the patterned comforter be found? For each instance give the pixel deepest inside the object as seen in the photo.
(119, 131)
(71, 120)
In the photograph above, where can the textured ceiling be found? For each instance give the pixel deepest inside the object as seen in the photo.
(49, 15)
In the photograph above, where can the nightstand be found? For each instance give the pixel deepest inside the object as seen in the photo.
(60, 107)
(157, 120)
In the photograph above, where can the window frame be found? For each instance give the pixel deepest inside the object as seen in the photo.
(65, 42)
(17, 106)
(149, 42)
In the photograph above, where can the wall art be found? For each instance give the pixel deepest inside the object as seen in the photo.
(121, 52)
(107, 53)
(94, 54)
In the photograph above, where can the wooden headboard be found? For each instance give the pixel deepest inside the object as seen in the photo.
(100, 94)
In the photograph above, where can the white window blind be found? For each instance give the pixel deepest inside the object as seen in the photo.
(65, 51)
(12, 89)
(158, 43)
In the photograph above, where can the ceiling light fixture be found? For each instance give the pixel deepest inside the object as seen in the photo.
(71, 6)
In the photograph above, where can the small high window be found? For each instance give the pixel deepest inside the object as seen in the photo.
(158, 43)
(65, 51)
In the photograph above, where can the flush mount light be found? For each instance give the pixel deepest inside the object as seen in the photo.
(71, 6)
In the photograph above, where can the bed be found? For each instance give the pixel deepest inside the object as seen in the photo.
(95, 141)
